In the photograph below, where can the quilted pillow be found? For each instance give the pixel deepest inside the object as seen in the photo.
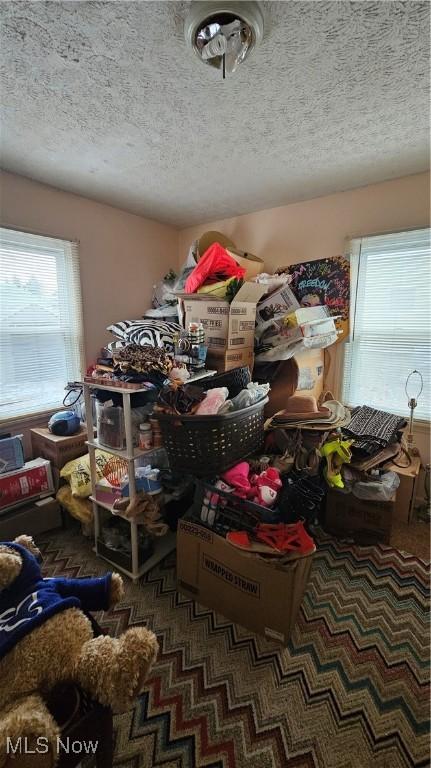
(157, 333)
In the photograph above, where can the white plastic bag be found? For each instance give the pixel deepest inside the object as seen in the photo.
(380, 489)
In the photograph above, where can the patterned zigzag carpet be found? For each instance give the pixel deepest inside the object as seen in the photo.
(350, 691)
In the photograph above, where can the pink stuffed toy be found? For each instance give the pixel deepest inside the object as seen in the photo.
(237, 478)
(266, 487)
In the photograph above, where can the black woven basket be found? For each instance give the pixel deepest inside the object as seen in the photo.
(235, 380)
(205, 446)
(223, 512)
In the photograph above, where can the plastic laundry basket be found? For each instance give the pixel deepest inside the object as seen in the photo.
(205, 446)
(235, 380)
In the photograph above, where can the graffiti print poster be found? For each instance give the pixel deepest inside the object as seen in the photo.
(325, 281)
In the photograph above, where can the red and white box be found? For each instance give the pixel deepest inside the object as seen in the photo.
(33, 479)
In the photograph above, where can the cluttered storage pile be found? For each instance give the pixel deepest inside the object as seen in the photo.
(239, 462)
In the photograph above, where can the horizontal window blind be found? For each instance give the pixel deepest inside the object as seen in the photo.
(41, 342)
(391, 323)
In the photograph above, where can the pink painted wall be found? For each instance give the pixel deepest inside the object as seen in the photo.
(318, 228)
(121, 255)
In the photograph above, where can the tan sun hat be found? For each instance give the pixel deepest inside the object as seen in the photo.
(208, 238)
(303, 407)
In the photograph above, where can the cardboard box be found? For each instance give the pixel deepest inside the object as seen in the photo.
(234, 358)
(311, 371)
(59, 450)
(33, 479)
(256, 593)
(406, 491)
(278, 304)
(227, 326)
(33, 519)
(363, 520)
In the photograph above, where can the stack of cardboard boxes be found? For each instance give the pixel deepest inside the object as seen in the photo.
(229, 328)
(27, 503)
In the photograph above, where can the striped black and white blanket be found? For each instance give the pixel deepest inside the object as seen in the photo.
(156, 333)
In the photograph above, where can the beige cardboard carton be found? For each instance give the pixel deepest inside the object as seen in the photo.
(232, 358)
(256, 593)
(227, 326)
(58, 449)
(363, 520)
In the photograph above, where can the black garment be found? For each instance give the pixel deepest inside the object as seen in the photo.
(373, 430)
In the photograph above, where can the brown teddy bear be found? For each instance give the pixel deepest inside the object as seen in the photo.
(46, 638)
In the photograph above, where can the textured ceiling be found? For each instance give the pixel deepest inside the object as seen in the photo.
(105, 100)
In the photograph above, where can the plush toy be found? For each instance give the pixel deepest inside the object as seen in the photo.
(265, 487)
(46, 638)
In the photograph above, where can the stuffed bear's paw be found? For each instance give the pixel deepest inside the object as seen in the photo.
(28, 543)
(136, 653)
(28, 720)
(10, 565)
(117, 589)
(114, 670)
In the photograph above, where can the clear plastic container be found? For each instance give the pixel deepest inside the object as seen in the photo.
(110, 426)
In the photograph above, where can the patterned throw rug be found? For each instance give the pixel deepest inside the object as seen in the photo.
(351, 690)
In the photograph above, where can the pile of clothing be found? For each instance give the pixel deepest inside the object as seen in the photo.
(355, 463)
(320, 445)
(120, 360)
(190, 399)
(373, 431)
(142, 363)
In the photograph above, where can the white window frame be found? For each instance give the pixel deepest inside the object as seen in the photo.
(71, 267)
(335, 356)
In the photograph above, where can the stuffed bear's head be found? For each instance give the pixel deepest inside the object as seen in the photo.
(11, 559)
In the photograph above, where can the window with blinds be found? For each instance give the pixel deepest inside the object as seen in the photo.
(41, 343)
(391, 322)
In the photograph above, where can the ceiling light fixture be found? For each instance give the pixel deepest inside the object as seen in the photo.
(223, 34)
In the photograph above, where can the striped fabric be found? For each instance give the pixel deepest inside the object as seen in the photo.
(351, 690)
(157, 333)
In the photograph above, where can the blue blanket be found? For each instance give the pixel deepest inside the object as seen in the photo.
(31, 600)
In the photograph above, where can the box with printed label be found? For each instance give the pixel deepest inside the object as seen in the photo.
(33, 479)
(278, 304)
(364, 520)
(227, 326)
(233, 358)
(258, 594)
